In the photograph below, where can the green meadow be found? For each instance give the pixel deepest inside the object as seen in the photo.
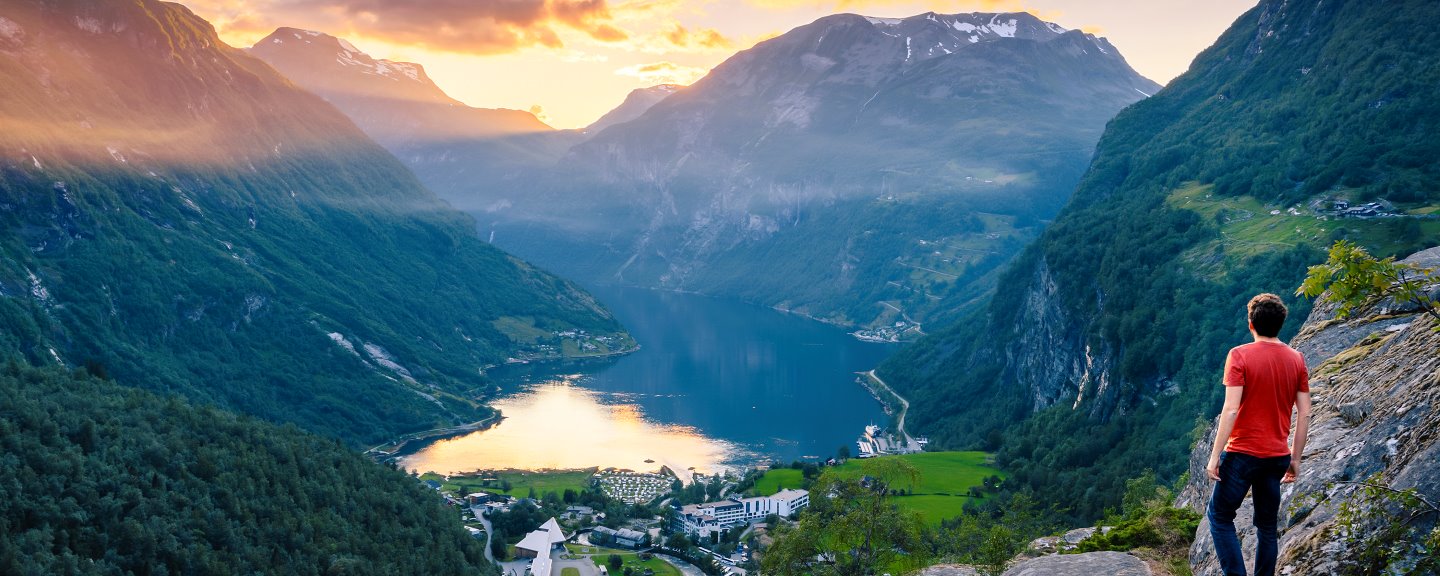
(941, 493)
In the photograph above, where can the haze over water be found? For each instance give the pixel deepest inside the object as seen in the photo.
(716, 384)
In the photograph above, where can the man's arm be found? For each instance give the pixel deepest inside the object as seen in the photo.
(1228, 413)
(1302, 430)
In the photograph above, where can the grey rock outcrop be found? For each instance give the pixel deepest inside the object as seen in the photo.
(950, 570)
(1087, 564)
(1375, 380)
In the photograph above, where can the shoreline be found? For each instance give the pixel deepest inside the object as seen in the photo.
(400, 443)
(872, 378)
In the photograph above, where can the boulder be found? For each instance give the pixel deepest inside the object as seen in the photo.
(1087, 564)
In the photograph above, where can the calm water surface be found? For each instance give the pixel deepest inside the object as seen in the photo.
(716, 384)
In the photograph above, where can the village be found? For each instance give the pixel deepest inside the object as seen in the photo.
(573, 344)
(599, 522)
(897, 332)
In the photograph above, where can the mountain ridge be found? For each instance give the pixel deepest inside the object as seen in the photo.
(410, 110)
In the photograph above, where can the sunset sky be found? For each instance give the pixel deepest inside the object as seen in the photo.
(572, 60)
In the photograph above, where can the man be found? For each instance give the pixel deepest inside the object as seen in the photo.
(1264, 381)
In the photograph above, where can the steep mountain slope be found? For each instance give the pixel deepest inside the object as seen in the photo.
(103, 479)
(636, 103)
(1106, 344)
(856, 169)
(178, 213)
(396, 103)
(1375, 378)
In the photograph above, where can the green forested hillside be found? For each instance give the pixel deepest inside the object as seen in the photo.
(177, 213)
(97, 478)
(1220, 186)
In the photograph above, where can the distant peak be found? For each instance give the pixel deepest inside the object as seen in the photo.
(345, 53)
(974, 26)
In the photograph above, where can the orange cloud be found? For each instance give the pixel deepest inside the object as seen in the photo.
(461, 26)
(664, 73)
(938, 5)
(682, 37)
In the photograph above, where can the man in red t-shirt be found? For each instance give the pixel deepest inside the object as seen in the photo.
(1264, 381)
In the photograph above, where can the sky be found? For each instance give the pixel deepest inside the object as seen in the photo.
(570, 61)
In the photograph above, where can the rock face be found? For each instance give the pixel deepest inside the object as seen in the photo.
(1375, 380)
(1087, 564)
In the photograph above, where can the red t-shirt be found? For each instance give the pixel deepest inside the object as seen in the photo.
(1272, 373)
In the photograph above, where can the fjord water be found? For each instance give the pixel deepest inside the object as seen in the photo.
(716, 384)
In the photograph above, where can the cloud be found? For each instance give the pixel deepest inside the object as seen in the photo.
(664, 73)
(682, 37)
(462, 26)
(938, 5)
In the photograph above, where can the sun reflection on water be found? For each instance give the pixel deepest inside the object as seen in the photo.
(559, 425)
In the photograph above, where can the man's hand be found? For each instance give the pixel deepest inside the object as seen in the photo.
(1292, 473)
(1212, 469)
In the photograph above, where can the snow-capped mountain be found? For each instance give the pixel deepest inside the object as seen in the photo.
(773, 177)
(396, 103)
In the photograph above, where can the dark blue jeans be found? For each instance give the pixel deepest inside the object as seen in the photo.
(1241, 473)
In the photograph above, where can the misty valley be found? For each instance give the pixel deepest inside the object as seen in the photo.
(762, 289)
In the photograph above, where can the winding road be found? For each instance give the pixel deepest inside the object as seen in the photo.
(910, 443)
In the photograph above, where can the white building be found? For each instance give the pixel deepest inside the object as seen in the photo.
(711, 517)
(538, 544)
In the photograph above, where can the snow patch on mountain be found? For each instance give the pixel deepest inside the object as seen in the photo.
(9, 30)
(91, 25)
(1004, 29)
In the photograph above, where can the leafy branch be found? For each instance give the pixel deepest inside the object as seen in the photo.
(1352, 278)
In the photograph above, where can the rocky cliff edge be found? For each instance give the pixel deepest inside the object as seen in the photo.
(1375, 380)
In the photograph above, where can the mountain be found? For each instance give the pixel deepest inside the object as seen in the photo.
(859, 170)
(452, 148)
(175, 213)
(396, 103)
(1304, 123)
(635, 104)
(1374, 383)
(105, 479)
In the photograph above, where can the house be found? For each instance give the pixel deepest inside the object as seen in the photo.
(477, 498)
(622, 538)
(577, 512)
(433, 484)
